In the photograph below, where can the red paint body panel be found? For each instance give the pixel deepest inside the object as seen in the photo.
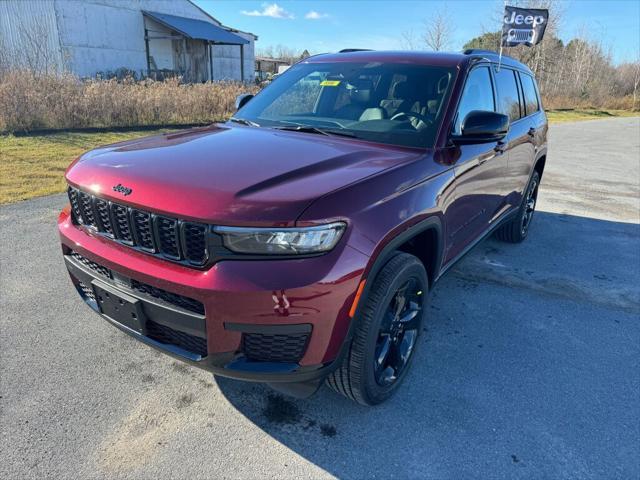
(231, 175)
(317, 290)
(234, 175)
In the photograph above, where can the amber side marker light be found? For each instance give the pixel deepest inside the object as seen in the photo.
(354, 306)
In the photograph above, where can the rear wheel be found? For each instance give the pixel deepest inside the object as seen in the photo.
(516, 230)
(386, 335)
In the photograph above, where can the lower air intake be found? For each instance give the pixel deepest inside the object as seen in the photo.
(167, 335)
(287, 348)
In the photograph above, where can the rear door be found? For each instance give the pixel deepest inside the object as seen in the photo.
(479, 169)
(535, 122)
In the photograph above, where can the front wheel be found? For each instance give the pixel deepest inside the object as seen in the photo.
(386, 335)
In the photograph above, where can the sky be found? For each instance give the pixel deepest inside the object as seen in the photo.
(330, 25)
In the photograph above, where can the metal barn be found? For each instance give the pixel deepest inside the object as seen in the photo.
(156, 38)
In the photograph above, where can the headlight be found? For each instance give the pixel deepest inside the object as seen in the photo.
(282, 241)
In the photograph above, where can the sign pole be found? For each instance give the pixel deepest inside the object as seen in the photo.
(501, 28)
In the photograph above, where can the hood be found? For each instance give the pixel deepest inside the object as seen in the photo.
(231, 175)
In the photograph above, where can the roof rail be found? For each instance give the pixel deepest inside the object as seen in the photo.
(349, 50)
(479, 54)
(478, 51)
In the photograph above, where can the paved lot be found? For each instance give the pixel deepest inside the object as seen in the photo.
(529, 368)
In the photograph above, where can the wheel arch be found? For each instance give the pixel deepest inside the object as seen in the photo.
(540, 164)
(424, 240)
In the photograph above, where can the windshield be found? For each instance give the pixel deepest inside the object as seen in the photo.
(390, 103)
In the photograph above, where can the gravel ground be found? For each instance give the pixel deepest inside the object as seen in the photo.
(529, 367)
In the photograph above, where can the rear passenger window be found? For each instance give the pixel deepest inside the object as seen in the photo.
(508, 98)
(477, 95)
(531, 103)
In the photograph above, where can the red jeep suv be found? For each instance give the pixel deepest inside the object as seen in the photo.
(297, 243)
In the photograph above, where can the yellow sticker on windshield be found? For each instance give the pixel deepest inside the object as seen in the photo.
(330, 83)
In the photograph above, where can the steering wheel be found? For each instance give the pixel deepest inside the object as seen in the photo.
(419, 116)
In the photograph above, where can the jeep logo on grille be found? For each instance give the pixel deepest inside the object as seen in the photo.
(122, 189)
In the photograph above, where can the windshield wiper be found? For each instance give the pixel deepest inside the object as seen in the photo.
(302, 128)
(244, 121)
(310, 129)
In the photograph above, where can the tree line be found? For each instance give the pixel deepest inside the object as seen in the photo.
(577, 74)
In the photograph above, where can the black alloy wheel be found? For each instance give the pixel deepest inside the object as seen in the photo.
(386, 332)
(517, 228)
(398, 333)
(529, 206)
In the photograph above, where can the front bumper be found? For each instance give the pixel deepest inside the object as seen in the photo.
(240, 300)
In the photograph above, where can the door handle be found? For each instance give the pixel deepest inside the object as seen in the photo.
(532, 132)
(500, 148)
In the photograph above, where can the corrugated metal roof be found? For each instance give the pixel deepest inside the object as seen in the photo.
(197, 29)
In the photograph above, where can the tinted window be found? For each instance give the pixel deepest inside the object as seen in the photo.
(477, 95)
(530, 96)
(508, 101)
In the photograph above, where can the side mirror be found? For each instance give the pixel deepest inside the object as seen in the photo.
(242, 99)
(483, 127)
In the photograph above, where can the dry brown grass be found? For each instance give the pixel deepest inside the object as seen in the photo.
(605, 103)
(30, 102)
(33, 165)
(33, 102)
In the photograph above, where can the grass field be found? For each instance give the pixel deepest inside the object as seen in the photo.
(570, 115)
(33, 165)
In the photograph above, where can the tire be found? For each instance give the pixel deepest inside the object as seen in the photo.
(517, 229)
(365, 372)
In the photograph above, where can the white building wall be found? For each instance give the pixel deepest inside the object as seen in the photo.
(98, 37)
(91, 36)
(29, 35)
(226, 60)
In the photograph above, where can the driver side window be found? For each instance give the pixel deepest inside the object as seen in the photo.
(477, 95)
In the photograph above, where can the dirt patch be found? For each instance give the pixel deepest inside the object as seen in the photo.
(185, 400)
(154, 419)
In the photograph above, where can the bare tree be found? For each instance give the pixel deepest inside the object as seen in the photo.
(628, 81)
(438, 31)
(266, 52)
(282, 52)
(409, 40)
(35, 50)
(636, 83)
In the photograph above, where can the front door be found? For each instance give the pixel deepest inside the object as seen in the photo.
(479, 171)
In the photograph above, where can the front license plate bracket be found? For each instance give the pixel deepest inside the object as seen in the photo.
(120, 307)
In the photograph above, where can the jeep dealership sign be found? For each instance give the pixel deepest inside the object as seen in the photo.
(523, 26)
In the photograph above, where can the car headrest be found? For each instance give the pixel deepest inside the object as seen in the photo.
(361, 91)
(405, 91)
(443, 83)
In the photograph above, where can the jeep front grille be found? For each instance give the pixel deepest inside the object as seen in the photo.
(104, 216)
(166, 237)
